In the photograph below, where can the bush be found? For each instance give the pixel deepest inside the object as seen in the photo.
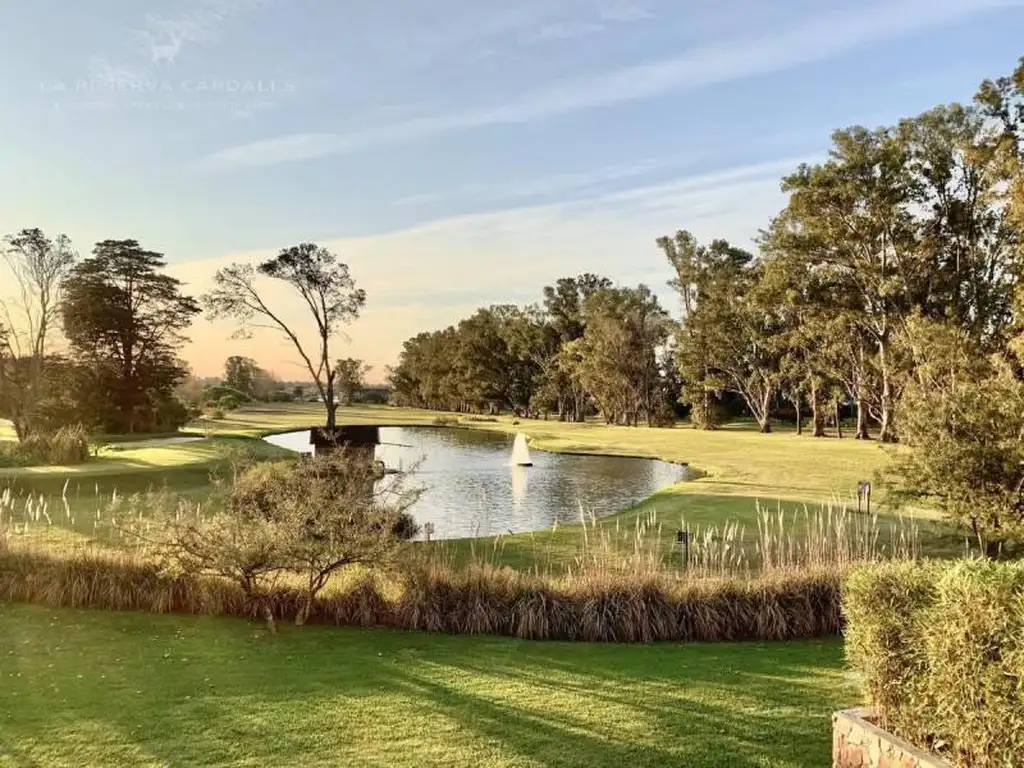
(940, 647)
(67, 445)
(309, 519)
(446, 421)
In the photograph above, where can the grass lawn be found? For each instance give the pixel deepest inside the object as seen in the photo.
(95, 688)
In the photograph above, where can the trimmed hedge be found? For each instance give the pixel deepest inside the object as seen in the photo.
(940, 647)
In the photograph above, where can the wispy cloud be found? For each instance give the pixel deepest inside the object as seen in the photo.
(807, 41)
(579, 182)
(609, 233)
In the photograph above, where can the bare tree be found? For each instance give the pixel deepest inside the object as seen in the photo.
(325, 286)
(38, 266)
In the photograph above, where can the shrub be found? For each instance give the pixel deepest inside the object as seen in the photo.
(446, 421)
(941, 650)
(215, 394)
(65, 446)
(309, 519)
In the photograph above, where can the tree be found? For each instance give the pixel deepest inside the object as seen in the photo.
(963, 425)
(38, 266)
(351, 378)
(327, 290)
(240, 373)
(625, 328)
(564, 307)
(125, 321)
(731, 320)
(264, 385)
(851, 218)
(1001, 102)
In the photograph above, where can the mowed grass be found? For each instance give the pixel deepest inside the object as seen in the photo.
(93, 688)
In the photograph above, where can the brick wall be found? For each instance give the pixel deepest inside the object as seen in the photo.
(858, 743)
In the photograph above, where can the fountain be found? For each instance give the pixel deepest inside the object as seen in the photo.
(521, 452)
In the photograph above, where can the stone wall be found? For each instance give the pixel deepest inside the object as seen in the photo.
(859, 743)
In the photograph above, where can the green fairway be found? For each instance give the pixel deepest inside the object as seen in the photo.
(94, 688)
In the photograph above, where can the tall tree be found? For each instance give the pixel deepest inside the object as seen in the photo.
(327, 290)
(125, 320)
(564, 306)
(37, 267)
(625, 329)
(351, 378)
(706, 279)
(240, 373)
(851, 218)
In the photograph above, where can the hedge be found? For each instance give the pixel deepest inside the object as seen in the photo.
(940, 648)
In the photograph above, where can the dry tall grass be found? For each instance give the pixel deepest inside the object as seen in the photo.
(624, 585)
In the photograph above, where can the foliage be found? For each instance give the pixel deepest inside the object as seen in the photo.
(964, 423)
(125, 321)
(63, 447)
(940, 648)
(244, 376)
(308, 519)
(329, 511)
(590, 343)
(240, 373)
(327, 290)
(224, 397)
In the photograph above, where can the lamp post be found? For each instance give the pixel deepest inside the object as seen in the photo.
(683, 538)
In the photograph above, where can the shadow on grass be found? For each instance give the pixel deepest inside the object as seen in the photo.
(112, 689)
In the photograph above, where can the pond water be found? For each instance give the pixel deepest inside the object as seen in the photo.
(470, 487)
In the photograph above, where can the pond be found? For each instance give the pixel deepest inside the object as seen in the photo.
(471, 489)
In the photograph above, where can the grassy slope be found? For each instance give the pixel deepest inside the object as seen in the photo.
(90, 688)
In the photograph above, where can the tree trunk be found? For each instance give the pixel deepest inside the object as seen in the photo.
(304, 610)
(799, 416)
(839, 419)
(887, 432)
(817, 414)
(862, 420)
(268, 616)
(764, 419)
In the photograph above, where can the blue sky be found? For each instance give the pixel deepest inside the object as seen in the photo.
(458, 152)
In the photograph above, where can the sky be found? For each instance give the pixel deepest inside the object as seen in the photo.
(456, 153)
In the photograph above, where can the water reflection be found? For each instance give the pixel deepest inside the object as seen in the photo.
(471, 488)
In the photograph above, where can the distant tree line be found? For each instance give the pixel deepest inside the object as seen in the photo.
(588, 347)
